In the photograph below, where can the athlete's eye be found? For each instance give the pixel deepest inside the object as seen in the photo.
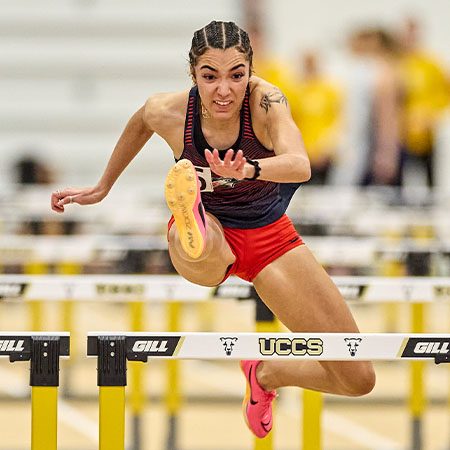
(208, 77)
(238, 76)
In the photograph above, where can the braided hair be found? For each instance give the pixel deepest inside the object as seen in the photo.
(220, 35)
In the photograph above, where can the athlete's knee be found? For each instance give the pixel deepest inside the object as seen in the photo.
(359, 380)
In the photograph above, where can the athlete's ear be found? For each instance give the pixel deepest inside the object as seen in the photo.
(193, 78)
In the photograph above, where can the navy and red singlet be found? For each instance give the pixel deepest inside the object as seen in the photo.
(236, 203)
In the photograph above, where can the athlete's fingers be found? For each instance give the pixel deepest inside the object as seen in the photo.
(209, 156)
(54, 201)
(216, 157)
(242, 164)
(54, 205)
(228, 157)
(67, 200)
(238, 158)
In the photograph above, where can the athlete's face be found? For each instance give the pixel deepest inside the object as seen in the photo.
(222, 77)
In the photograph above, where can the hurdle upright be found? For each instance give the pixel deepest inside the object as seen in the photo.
(43, 350)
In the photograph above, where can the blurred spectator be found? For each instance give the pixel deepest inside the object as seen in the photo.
(30, 170)
(369, 153)
(315, 104)
(384, 161)
(426, 95)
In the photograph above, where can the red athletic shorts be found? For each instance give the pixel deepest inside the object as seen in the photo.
(255, 248)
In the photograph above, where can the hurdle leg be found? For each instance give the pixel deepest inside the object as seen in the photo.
(391, 268)
(36, 307)
(312, 419)
(417, 388)
(67, 311)
(112, 417)
(111, 379)
(418, 263)
(173, 395)
(44, 381)
(265, 323)
(44, 418)
(137, 394)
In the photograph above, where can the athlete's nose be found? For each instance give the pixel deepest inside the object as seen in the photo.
(223, 89)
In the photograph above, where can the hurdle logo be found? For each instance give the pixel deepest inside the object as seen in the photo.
(287, 346)
(426, 347)
(150, 346)
(352, 344)
(228, 344)
(11, 345)
(120, 289)
(12, 290)
(239, 291)
(155, 345)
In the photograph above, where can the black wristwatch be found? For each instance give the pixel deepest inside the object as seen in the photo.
(255, 164)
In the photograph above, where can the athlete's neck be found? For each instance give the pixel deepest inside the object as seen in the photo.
(220, 125)
(220, 134)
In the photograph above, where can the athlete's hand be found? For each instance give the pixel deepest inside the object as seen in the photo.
(228, 167)
(83, 196)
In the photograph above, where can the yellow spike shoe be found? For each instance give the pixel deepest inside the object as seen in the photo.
(182, 192)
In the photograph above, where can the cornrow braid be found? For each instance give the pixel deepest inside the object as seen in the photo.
(221, 35)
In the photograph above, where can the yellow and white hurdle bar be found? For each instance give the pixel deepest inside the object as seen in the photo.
(43, 350)
(113, 350)
(173, 287)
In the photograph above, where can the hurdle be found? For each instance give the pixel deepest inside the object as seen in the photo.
(43, 350)
(114, 350)
(143, 288)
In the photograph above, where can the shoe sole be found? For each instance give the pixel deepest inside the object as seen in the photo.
(181, 191)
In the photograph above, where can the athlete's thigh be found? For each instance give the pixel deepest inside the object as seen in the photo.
(302, 295)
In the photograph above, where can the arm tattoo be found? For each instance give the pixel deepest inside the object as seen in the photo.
(272, 97)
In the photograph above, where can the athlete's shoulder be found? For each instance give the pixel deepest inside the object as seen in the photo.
(264, 95)
(260, 87)
(165, 109)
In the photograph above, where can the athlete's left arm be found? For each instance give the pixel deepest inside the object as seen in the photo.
(290, 163)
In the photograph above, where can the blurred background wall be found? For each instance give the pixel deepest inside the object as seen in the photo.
(73, 72)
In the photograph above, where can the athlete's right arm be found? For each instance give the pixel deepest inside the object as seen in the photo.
(136, 133)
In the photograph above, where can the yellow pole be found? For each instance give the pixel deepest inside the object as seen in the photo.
(312, 423)
(136, 392)
(417, 401)
(266, 326)
(68, 268)
(44, 418)
(173, 394)
(67, 312)
(173, 397)
(112, 417)
(36, 307)
(391, 265)
(421, 235)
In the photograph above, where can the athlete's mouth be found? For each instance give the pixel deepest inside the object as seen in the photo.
(218, 102)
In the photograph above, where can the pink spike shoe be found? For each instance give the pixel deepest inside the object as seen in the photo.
(257, 404)
(182, 192)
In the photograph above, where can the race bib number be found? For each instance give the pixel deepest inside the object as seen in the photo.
(204, 175)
